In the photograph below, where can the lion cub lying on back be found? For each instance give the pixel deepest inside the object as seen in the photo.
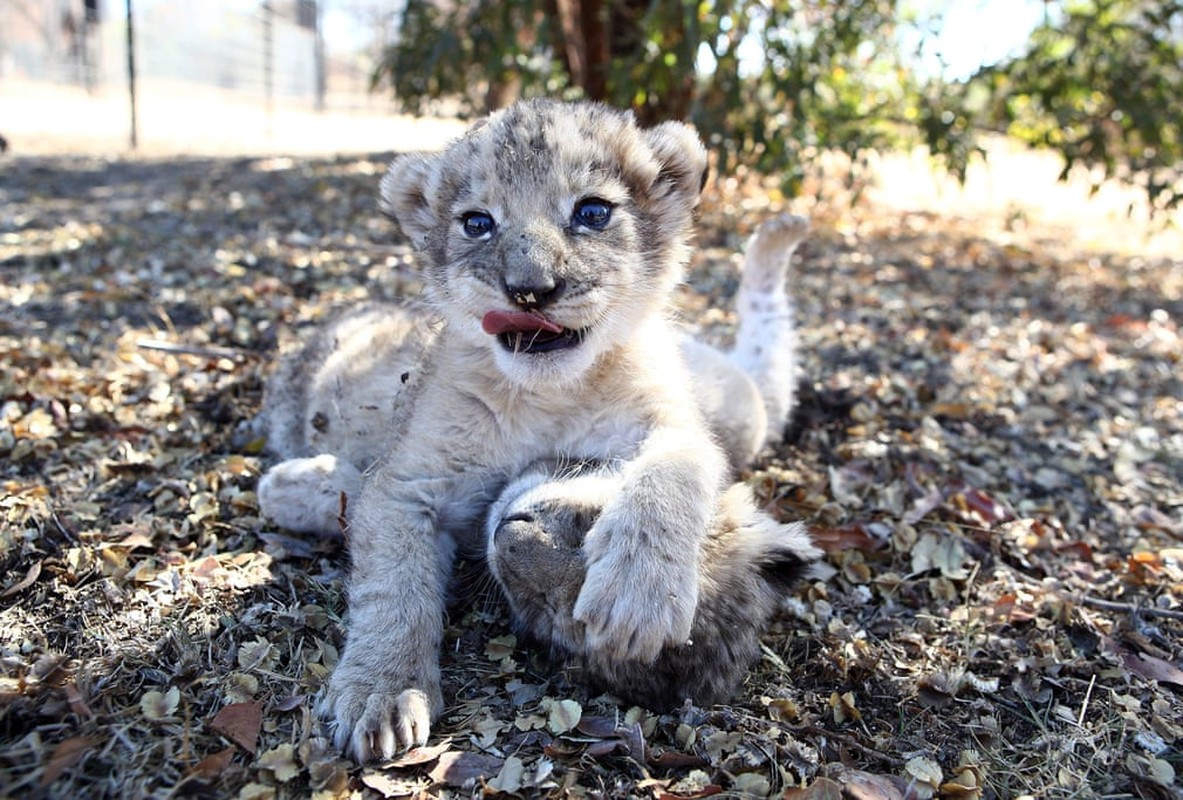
(551, 238)
(535, 533)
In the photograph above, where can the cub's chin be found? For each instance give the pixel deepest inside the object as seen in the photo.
(538, 342)
(545, 360)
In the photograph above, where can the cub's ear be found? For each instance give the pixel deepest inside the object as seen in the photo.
(407, 194)
(683, 160)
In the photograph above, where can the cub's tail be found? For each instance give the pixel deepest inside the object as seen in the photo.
(766, 341)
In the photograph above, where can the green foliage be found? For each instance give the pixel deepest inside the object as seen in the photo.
(824, 74)
(1103, 86)
(831, 77)
(471, 52)
(773, 83)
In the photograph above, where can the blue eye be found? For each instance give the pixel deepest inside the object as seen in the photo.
(477, 224)
(592, 213)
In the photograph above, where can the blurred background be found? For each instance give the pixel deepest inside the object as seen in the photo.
(1066, 109)
(214, 77)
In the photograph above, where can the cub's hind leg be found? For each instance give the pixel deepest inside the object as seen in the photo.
(766, 342)
(332, 409)
(308, 495)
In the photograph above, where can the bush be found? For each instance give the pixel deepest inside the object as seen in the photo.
(772, 84)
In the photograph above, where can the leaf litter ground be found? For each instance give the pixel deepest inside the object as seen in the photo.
(989, 446)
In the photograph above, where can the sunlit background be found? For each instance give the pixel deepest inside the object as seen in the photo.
(294, 77)
(245, 75)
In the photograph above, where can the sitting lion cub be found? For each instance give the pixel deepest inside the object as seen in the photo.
(551, 238)
(535, 533)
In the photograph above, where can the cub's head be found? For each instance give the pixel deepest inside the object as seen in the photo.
(534, 548)
(748, 563)
(551, 231)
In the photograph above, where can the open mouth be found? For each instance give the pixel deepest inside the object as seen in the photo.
(529, 332)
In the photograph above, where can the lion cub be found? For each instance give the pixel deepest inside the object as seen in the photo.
(534, 536)
(551, 238)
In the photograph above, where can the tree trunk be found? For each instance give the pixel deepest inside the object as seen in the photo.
(584, 24)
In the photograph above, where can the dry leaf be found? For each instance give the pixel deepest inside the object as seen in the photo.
(697, 784)
(1156, 770)
(509, 778)
(283, 547)
(982, 506)
(938, 689)
(1151, 668)
(634, 741)
(1012, 608)
(946, 554)
(239, 687)
(867, 537)
(722, 743)
(859, 785)
(77, 703)
(782, 709)
(966, 782)
(135, 539)
(390, 784)
(25, 582)
(843, 707)
(240, 722)
(256, 791)
(598, 727)
(281, 760)
(820, 789)
(751, 784)
(159, 706)
(256, 654)
(67, 753)
(672, 759)
(923, 775)
(1149, 518)
(564, 716)
(500, 647)
(603, 747)
(486, 728)
(210, 767)
(460, 769)
(419, 755)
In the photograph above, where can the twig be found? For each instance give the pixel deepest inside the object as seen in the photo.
(1131, 608)
(849, 741)
(209, 351)
(774, 659)
(1097, 602)
(1084, 707)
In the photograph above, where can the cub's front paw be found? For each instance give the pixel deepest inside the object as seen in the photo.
(632, 608)
(371, 721)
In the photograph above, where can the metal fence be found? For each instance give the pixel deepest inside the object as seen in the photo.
(265, 55)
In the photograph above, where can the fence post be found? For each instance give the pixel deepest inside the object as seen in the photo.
(131, 74)
(319, 57)
(268, 65)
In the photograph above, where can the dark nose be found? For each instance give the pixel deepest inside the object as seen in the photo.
(537, 293)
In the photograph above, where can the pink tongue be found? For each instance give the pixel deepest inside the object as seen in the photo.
(498, 322)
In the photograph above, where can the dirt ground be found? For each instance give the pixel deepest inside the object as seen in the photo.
(989, 446)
